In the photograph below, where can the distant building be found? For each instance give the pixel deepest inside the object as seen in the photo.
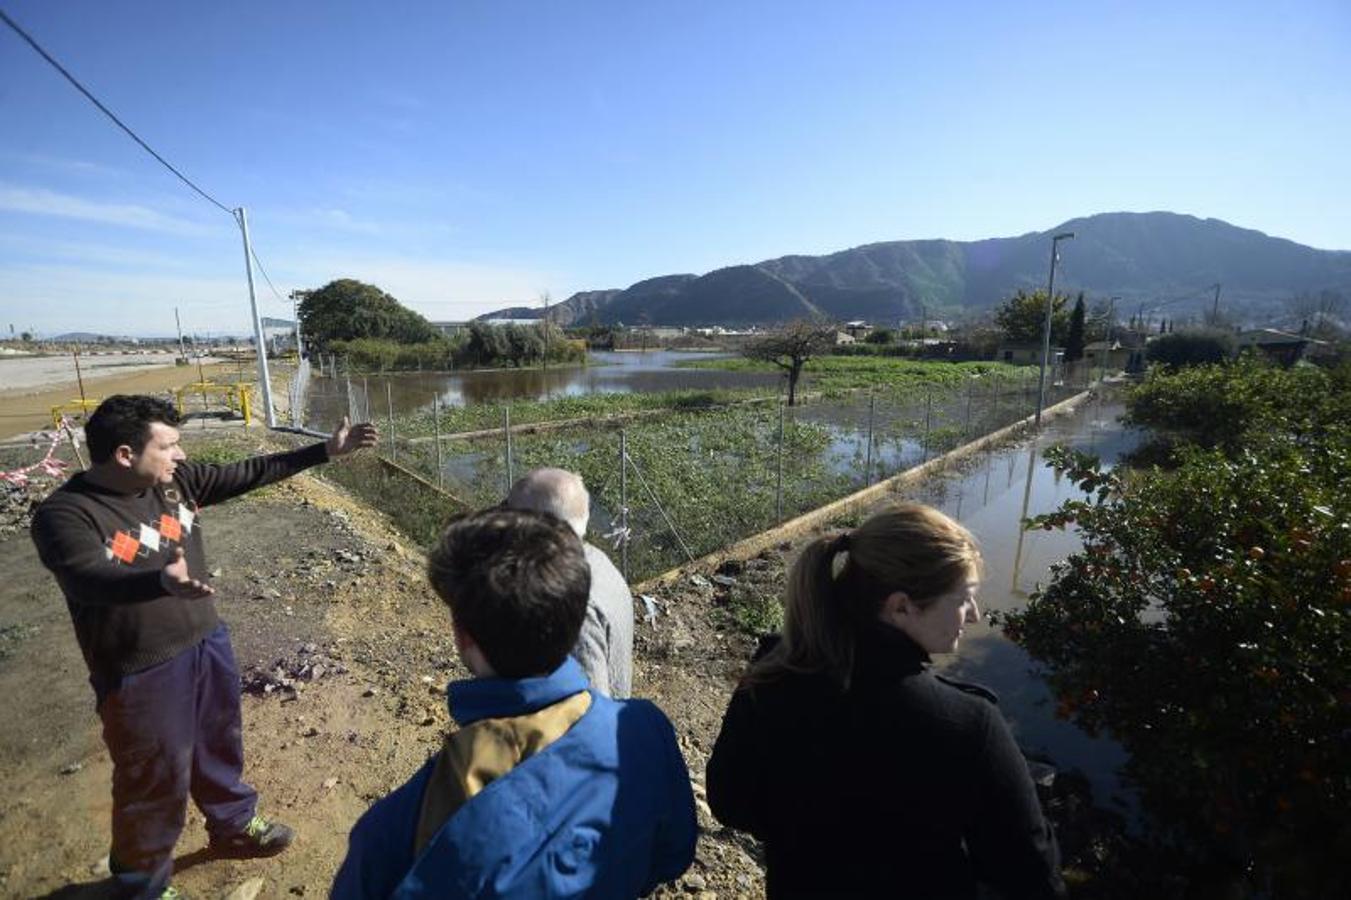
(858, 330)
(1114, 357)
(1281, 347)
(1027, 354)
(843, 338)
(522, 322)
(450, 329)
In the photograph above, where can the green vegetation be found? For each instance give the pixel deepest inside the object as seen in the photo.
(1192, 347)
(1022, 318)
(1206, 623)
(498, 346)
(348, 309)
(834, 374)
(482, 416)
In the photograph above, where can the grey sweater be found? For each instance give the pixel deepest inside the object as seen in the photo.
(605, 646)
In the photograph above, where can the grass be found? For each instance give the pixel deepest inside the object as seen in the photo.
(530, 412)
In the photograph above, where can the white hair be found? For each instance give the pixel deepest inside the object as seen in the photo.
(556, 491)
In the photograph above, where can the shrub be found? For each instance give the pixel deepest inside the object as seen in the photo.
(1192, 347)
(1206, 624)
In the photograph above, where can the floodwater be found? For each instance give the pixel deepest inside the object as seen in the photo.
(991, 497)
(605, 373)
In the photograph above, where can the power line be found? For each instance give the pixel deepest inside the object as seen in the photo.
(109, 113)
(259, 263)
(135, 137)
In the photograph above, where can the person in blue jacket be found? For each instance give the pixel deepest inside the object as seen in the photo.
(548, 788)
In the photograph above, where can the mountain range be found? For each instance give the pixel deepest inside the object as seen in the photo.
(1146, 259)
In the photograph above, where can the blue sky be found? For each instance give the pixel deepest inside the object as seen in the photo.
(466, 156)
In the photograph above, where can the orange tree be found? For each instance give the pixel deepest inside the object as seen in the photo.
(1206, 625)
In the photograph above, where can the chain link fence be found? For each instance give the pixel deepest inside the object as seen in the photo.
(678, 484)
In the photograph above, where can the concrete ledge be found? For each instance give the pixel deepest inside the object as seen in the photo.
(756, 544)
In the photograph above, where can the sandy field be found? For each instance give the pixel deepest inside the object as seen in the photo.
(31, 386)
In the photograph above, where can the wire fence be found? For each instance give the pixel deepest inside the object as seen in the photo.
(673, 486)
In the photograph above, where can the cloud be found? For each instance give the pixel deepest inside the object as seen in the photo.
(40, 201)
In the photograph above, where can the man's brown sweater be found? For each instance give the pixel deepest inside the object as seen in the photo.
(107, 550)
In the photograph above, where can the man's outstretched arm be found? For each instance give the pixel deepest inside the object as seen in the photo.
(212, 483)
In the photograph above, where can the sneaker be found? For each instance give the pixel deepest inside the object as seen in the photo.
(259, 838)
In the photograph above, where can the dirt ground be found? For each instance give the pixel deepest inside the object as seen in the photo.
(26, 407)
(345, 653)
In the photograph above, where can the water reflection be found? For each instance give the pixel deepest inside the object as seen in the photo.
(992, 497)
(607, 372)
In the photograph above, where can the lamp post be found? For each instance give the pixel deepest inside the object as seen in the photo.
(1107, 351)
(1046, 329)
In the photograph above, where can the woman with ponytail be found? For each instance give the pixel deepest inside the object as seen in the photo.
(861, 771)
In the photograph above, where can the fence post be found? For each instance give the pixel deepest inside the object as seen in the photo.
(624, 503)
(778, 488)
(966, 428)
(511, 463)
(366, 398)
(868, 464)
(351, 401)
(436, 425)
(389, 397)
(928, 419)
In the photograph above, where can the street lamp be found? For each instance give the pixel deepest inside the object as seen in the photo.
(1046, 330)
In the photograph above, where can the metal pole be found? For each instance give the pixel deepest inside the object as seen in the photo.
(778, 488)
(295, 313)
(79, 377)
(178, 322)
(436, 424)
(511, 465)
(1111, 315)
(1215, 310)
(624, 503)
(265, 383)
(351, 402)
(1046, 330)
(389, 398)
(966, 427)
(928, 419)
(868, 464)
(366, 398)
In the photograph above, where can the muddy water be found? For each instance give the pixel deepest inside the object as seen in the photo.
(605, 373)
(991, 496)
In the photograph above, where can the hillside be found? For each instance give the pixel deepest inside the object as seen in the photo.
(1141, 257)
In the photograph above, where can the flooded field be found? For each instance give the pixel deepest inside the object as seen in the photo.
(622, 372)
(991, 497)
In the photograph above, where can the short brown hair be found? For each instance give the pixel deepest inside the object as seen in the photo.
(516, 581)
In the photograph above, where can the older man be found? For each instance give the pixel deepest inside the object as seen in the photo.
(605, 647)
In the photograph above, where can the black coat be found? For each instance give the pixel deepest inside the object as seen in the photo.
(906, 785)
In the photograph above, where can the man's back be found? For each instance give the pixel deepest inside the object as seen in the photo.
(605, 646)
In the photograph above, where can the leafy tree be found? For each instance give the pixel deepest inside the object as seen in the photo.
(1206, 624)
(1023, 316)
(1074, 338)
(26, 336)
(881, 336)
(790, 347)
(347, 309)
(1192, 347)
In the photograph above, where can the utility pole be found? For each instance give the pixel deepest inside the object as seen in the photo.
(1046, 330)
(264, 382)
(296, 297)
(181, 352)
(1215, 309)
(1111, 316)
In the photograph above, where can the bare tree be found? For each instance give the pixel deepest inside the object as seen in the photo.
(790, 347)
